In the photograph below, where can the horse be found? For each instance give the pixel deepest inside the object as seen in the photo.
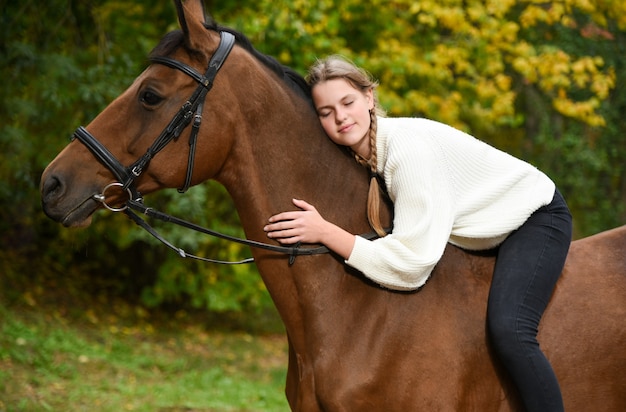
(353, 346)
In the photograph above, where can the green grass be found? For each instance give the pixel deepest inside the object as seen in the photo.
(101, 361)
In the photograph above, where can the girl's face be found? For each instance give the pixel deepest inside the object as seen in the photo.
(344, 114)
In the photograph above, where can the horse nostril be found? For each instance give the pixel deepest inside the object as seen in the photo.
(52, 188)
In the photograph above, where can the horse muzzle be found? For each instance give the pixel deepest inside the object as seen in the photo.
(69, 209)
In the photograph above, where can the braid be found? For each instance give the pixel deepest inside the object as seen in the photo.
(373, 196)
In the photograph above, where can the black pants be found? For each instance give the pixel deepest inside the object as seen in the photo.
(528, 265)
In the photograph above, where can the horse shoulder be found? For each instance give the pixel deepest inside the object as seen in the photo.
(432, 341)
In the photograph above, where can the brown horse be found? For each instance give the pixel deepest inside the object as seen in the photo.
(352, 345)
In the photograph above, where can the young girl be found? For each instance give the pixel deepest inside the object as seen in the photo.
(446, 186)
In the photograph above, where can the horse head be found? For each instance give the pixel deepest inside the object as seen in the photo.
(136, 127)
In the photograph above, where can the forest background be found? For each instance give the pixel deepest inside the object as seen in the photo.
(541, 80)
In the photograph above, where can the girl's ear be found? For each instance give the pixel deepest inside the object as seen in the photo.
(369, 94)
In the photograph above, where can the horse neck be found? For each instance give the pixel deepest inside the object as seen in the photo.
(281, 153)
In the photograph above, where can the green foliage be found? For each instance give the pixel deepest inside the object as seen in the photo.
(538, 80)
(49, 362)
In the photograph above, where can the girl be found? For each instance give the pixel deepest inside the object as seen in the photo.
(446, 186)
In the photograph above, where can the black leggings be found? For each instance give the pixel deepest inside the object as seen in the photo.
(528, 265)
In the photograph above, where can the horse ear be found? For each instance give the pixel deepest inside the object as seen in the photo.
(191, 18)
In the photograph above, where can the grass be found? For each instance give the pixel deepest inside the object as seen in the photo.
(121, 358)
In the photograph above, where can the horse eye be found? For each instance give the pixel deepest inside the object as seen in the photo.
(150, 98)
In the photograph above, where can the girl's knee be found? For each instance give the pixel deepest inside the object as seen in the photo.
(503, 333)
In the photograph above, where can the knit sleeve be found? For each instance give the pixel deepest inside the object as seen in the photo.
(422, 193)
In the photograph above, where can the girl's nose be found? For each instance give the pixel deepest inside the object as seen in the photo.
(340, 117)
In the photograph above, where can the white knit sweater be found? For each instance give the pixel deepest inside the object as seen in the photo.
(446, 186)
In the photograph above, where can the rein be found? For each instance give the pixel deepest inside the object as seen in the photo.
(292, 251)
(126, 175)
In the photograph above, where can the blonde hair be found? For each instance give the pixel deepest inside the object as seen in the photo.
(338, 67)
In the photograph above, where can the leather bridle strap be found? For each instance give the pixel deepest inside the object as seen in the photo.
(194, 104)
(102, 154)
(227, 41)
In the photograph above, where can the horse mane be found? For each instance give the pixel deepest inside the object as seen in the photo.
(175, 39)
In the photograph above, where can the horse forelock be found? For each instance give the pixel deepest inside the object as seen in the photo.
(174, 40)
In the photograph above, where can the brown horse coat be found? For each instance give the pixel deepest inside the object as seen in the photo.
(352, 345)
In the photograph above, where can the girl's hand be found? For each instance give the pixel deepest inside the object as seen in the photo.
(305, 225)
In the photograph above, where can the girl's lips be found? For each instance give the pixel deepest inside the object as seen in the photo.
(346, 128)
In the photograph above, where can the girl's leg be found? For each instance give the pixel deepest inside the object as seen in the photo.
(527, 268)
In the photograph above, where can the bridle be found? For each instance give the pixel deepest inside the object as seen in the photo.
(126, 175)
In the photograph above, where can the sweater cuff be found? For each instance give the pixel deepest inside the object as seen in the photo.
(360, 255)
